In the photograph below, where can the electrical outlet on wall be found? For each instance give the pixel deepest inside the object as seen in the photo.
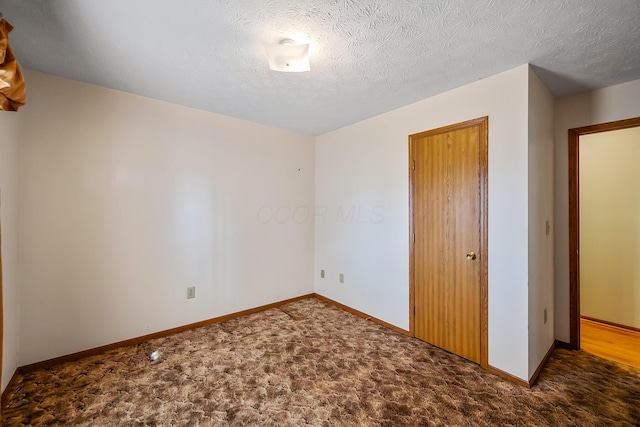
(322, 274)
(341, 277)
(191, 292)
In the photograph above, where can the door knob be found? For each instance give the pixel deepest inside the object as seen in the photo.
(471, 255)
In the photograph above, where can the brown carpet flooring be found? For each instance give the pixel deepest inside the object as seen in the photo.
(309, 363)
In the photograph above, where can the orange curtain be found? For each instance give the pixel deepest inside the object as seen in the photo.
(12, 90)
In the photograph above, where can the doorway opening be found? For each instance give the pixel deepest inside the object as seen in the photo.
(604, 240)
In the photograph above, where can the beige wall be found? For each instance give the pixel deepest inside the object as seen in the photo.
(9, 140)
(540, 187)
(610, 226)
(126, 201)
(599, 106)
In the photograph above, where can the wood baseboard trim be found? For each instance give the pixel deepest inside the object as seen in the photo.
(363, 315)
(8, 388)
(519, 381)
(606, 322)
(563, 345)
(133, 341)
(504, 375)
(546, 357)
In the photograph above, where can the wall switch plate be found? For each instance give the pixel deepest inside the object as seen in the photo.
(341, 278)
(545, 316)
(191, 292)
(322, 274)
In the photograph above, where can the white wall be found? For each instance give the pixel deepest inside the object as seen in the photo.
(363, 169)
(600, 106)
(9, 139)
(540, 211)
(610, 226)
(126, 201)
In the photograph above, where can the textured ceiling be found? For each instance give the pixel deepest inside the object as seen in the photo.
(367, 56)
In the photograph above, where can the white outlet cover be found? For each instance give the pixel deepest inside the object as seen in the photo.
(191, 292)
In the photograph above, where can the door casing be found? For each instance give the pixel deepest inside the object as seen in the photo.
(574, 218)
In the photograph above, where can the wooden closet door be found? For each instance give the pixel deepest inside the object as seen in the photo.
(447, 227)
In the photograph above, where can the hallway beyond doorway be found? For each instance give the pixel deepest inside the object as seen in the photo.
(610, 342)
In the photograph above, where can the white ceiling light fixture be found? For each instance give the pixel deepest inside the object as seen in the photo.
(288, 56)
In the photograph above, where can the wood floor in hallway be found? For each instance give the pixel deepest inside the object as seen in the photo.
(610, 342)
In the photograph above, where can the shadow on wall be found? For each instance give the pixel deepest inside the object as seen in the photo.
(560, 84)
